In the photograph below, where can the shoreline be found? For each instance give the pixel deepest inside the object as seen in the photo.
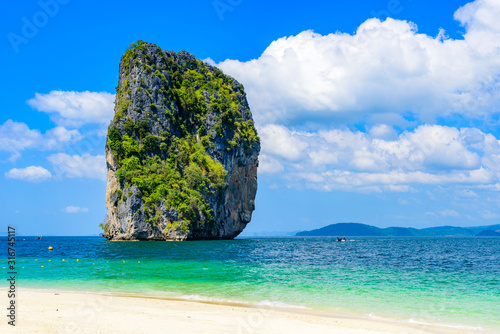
(50, 310)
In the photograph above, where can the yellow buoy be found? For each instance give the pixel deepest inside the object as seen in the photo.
(23, 267)
(77, 259)
(42, 266)
(50, 260)
(63, 259)
(138, 261)
(51, 248)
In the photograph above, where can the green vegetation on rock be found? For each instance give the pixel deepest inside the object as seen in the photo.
(159, 137)
(195, 89)
(180, 182)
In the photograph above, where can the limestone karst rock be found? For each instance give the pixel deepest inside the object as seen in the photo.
(181, 152)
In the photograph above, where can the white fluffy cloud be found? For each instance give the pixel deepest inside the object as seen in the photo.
(268, 164)
(75, 108)
(54, 138)
(354, 160)
(278, 140)
(75, 209)
(17, 136)
(73, 166)
(483, 27)
(385, 67)
(425, 148)
(376, 77)
(31, 174)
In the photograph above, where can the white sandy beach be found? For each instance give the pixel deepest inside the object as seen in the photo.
(40, 311)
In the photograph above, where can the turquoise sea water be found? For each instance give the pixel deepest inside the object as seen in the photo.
(447, 280)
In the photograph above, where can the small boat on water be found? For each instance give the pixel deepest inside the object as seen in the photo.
(341, 239)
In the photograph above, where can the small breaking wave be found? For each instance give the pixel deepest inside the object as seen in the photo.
(266, 303)
(426, 323)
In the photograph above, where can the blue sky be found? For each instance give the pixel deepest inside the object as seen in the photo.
(381, 112)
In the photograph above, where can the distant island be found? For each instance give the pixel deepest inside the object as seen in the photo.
(488, 233)
(358, 230)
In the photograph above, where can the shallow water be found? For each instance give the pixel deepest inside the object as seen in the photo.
(449, 280)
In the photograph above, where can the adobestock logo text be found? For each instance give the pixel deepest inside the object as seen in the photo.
(30, 26)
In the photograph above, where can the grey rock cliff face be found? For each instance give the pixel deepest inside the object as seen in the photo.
(150, 96)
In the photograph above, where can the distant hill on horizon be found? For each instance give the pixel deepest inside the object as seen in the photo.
(364, 230)
(488, 233)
